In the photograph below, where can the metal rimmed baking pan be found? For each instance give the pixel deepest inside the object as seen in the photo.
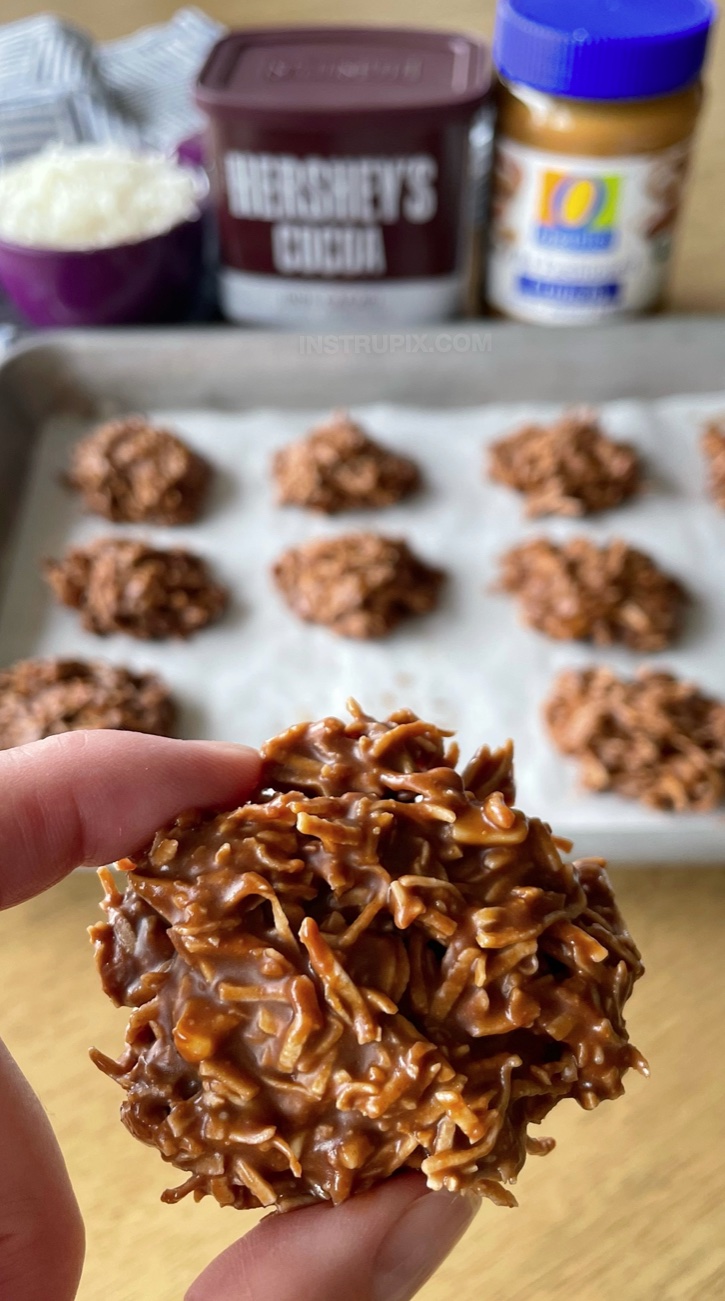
(439, 395)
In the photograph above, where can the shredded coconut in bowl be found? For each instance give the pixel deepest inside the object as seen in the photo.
(94, 196)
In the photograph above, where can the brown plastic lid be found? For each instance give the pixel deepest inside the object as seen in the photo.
(308, 74)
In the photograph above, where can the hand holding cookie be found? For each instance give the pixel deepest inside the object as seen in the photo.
(90, 784)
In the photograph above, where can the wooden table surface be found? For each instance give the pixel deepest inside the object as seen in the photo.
(631, 1205)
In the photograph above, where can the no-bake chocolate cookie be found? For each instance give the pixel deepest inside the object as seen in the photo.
(713, 446)
(359, 585)
(338, 467)
(40, 698)
(378, 964)
(570, 467)
(578, 591)
(653, 738)
(122, 585)
(132, 472)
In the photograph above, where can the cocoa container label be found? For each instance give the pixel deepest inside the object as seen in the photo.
(328, 216)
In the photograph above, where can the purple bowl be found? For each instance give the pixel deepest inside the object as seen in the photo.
(152, 281)
(190, 153)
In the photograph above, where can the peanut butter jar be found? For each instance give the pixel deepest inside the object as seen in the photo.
(598, 102)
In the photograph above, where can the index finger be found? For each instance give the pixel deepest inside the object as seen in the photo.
(88, 798)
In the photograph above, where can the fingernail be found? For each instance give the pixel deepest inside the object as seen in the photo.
(419, 1243)
(227, 747)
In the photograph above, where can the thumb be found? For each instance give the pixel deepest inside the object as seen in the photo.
(380, 1246)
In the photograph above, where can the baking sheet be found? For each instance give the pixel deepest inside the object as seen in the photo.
(470, 666)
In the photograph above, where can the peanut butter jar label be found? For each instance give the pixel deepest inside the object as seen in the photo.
(575, 240)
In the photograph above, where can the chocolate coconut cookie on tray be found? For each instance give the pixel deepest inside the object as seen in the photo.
(653, 738)
(339, 467)
(579, 591)
(130, 471)
(359, 585)
(40, 698)
(569, 467)
(377, 964)
(123, 585)
(713, 447)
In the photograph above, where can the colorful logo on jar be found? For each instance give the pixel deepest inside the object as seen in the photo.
(578, 213)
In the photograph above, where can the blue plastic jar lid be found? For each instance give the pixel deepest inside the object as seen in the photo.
(602, 49)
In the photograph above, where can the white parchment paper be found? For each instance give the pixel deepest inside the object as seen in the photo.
(471, 666)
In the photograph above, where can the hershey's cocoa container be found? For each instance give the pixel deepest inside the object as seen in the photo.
(348, 167)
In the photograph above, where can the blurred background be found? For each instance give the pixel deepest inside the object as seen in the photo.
(630, 1207)
(698, 280)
